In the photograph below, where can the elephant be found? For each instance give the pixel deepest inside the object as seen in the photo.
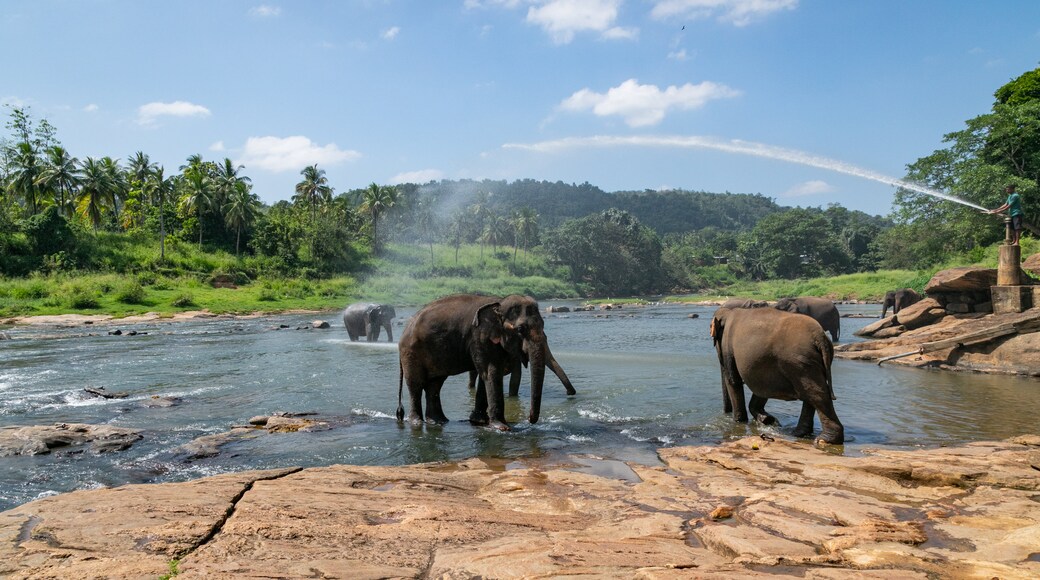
(899, 299)
(466, 332)
(521, 357)
(779, 355)
(819, 309)
(744, 303)
(366, 319)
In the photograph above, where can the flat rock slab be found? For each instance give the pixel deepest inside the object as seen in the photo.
(780, 508)
(43, 439)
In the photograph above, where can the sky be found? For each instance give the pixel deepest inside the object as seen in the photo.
(703, 95)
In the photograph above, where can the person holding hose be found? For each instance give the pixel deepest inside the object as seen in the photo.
(1014, 204)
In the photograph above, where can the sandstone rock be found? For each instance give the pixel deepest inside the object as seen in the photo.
(966, 279)
(889, 332)
(42, 439)
(1032, 264)
(958, 308)
(923, 313)
(871, 329)
(320, 324)
(554, 309)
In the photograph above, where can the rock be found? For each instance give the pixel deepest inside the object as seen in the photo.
(555, 309)
(258, 421)
(966, 279)
(722, 512)
(1032, 264)
(923, 313)
(115, 332)
(159, 401)
(958, 308)
(871, 329)
(42, 439)
(101, 392)
(889, 332)
(832, 516)
(984, 307)
(693, 315)
(320, 324)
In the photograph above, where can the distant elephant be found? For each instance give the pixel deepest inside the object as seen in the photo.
(819, 309)
(462, 333)
(778, 355)
(519, 358)
(366, 319)
(744, 303)
(898, 300)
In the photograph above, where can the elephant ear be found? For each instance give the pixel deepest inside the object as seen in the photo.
(715, 329)
(494, 305)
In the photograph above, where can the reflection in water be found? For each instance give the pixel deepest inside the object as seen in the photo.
(646, 378)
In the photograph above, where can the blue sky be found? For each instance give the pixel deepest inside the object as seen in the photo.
(624, 94)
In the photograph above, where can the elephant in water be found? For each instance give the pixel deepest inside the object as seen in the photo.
(366, 319)
(778, 355)
(744, 303)
(819, 309)
(519, 358)
(899, 299)
(462, 333)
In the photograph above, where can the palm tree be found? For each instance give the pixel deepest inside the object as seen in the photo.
(226, 182)
(60, 174)
(159, 188)
(24, 173)
(119, 188)
(198, 196)
(480, 212)
(140, 168)
(376, 200)
(525, 224)
(95, 191)
(314, 190)
(240, 210)
(494, 231)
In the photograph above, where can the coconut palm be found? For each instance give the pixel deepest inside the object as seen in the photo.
(119, 188)
(495, 231)
(198, 196)
(313, 190)
(241, 209)
(24, 172)
(480, 210)
(159, 188)
(60, 175)
(96, 191)
(525, 226)
(376, 200)
(227, 181)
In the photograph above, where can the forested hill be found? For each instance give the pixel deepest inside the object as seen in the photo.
(665, 212)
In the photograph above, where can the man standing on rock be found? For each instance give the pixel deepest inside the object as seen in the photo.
(1014, 204)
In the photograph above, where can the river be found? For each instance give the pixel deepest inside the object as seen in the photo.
(646, 377)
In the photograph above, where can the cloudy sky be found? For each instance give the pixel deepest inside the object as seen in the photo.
(747, 96)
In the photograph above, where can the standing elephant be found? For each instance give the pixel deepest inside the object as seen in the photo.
(778, 355)
(462, 333)
(899, 299)
(744, 303)
(819, 309)
(366, 319)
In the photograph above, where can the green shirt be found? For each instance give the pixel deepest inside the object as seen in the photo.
(1014, 204)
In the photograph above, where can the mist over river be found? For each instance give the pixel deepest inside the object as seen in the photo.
(646, 378)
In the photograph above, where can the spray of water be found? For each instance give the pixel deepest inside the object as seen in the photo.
(735, 146)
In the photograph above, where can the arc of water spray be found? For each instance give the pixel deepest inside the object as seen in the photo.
(736, 146)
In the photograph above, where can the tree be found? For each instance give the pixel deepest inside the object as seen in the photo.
(797, 243)
(198, 196)
(481, 213)
(313, 191)
(24, 176)
(61, 175)
(241, 210)
(377, 200)
(159, 189)
(426, 221)
(525, 226)
(96, 191)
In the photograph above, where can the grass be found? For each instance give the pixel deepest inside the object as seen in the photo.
(863, 286)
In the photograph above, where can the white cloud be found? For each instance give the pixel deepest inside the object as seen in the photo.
(561, 19)
(418, 177)
(735, 12)
(265, 11)
(278, 154)
(91, 108)
(814, 187)
(218, 146)
(642, 105)
(391, 33)
(621, 33)
(150, 113)
(679, 55)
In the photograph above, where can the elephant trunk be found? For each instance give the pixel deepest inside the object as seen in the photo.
(537, 353)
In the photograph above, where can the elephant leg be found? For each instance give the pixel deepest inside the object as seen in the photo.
(373, 333)
(496, 406)
(389, 333)
(415, 393)
(472, 380)
(514, 379)
(479, 416)
(833, 431)
(733, 397)
(434, 411)
(727, 404)
(804, 428)
(757, 408)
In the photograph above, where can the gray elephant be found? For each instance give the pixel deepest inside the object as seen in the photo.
(462, 333)
(778, 355)
(819, 309)
(365, 319)
(744, 303)
(899, 299)
(519, 358)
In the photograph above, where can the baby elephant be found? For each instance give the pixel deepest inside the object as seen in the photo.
(366, 319)
(778, 355)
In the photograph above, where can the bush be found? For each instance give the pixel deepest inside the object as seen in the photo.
(82, 299)
(131, 293)
(184, 300)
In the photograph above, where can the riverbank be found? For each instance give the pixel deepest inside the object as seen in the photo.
(755, 507)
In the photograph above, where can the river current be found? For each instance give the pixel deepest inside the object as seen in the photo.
(646, 378)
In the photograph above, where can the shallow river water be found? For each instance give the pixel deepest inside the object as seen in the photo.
(646, 378)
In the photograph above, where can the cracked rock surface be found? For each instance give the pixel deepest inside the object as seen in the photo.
(749, 508)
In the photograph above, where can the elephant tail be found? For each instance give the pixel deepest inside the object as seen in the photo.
(400, 391)
(827, 354)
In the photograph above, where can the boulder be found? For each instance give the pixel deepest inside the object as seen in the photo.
(889, 332)
(42, 439)
(320, 324)
(921, 314)
(553, 309)
(871, 329)
(1032, 264)
(965, 279)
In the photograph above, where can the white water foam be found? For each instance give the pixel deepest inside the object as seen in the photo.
(734, 146)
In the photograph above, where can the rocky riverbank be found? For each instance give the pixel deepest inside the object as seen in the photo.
(749, 508)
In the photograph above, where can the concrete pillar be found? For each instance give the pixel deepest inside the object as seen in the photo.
(1009, 267)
